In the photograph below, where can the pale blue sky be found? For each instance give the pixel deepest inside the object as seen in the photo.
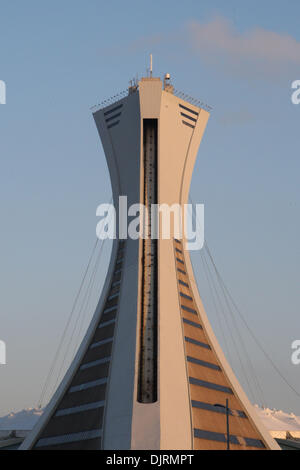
(59, 58)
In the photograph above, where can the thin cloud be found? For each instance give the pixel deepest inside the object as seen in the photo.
(252, 55)
(220, 37)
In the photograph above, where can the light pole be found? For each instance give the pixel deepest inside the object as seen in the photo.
(227, 421)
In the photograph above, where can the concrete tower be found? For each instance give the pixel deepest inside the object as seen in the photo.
(150, 370)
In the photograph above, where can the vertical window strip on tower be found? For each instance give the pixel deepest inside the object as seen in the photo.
(147, 384)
